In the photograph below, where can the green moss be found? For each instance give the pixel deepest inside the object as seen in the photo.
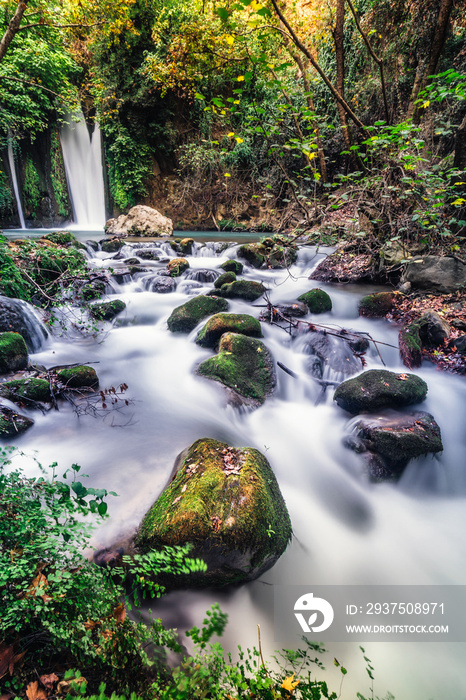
(376, 305)
(185, 318)
(32, 191)
(242, 289)
(219, 324)
(61, 238)
(6, 196)
(12, 424)
(232, 266)
(411, 344)
(226, 278)
(273, 252)
(107, 310)
(12, 284)
(317, 301)
(186, 246)
(58, 177)
(251, 253)
(244, 364)
(113, 245)
(78, 377)
(177, 266)
(221, 499)
(30, 388)
(13, 352)
(379, 388)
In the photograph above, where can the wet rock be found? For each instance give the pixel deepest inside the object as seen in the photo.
(331, 352)
(177, 266)
(243, 364)
(219, 324)
(250, 252)
(459, 344)
(111, 246)
(186, 246)
(162, 285)
(436, 274)
(79, 377)
(317, 301)
(106, 311)
(226, 502)
(17, 316)
(92, 289)
(140, 221)
(379, 388)
(429, 331)
(274, 252)
(376, 305)
(225, 278)
(295, 309)
(393, 441)
(346, 265)
(132, 261)
(242, 289)
(393, 253)
(32, 388)
(204, 275)
(232, 266)
(185, 318)
(13, 352)
(12, 423)
(147, 254)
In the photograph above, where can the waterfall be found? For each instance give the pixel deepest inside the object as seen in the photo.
(11, 160)
(82, 155)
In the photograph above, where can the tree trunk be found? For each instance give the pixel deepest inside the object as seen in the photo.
(338, 37)
(12, 27)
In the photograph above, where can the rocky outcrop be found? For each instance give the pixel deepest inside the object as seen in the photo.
(346, 264)
(429, 331)
(13, 352)
(244, 365)
(219, 324)
(317, 301)
(12, 423)
(435, 274)
(185, 318)
(226, 502)
(378, 389)
(140, 221)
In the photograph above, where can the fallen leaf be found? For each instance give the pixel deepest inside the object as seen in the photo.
(33, 692)
(8, 659)
(48, 680)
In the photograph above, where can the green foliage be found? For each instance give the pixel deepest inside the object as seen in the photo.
(32, 193)
(6, 195)
(12, 283)
(130, 166)
(58, 177)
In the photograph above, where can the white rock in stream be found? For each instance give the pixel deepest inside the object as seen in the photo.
(140, 221)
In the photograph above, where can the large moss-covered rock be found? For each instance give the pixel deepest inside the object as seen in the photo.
(251, 252)
(379, 388)
(243, 364)
(226, 502)
(32, 388)
(392, 441)
(232, 266)
(106, 311)
(317, 301)
(113, 245)
(273, 252)
(242, 289)
(177, 266)
(13, 352)
(185, 318)
(428, 331)
(79, 377)
(219, 324)
(12, 423)
(225, 278)
(376, 305)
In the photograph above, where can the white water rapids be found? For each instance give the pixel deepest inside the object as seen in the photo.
(346, 531)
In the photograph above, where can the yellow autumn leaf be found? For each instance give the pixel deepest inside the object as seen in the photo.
(227, 175)
(238, 140)
(236, 102)
(232, 133)
(240, 78)
(230, 39)
(288, 683)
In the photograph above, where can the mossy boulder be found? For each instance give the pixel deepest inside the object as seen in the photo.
(106, 311)
(61, 238)
(379, 388)
(177, 266)
(273, 252)
(226, 502)
(317, 301)
(376, 305)
(32, 388)
(251, 252)
(392, 441)
(185, 318)
(79, 377)
(225, 278)
(186, 246)
(112, 245)
(232, 266)
(219, 324)
(244, 365)
(12, 423)
(242, 289)
(428, 331)
(13, 352)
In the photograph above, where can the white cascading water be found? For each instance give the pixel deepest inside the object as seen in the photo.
(82, 155)
(14, 179)
(346, 531)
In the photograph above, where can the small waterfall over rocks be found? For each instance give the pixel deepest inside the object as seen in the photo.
(19, 317)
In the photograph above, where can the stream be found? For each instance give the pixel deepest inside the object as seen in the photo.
(346, 530)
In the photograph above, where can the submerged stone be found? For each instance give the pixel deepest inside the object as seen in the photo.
(12, 423)
(226, 502)
(107, 310)
(79, 377)
(317, 301)
(219, 324)
(13, 352)
(379, 388)
(243, 364)
(185, 318)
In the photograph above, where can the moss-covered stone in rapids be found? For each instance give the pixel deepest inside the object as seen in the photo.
(177, 266)
(185, 318)
(28, 388)
(77, 377)
(242, 289)
(242, 364)
(376, 305)
(107, 310)
(186, 245)
(13, 352)
(111, 245)
(232, 266)
(61, 238)
(226, 502)
(317, 301)
(225, 278)
(379, 388)
(219, 324)
(12, 423)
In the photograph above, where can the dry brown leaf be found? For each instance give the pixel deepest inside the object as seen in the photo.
(8, 659)
(48, 680)
(33, 692)
(120, 613)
